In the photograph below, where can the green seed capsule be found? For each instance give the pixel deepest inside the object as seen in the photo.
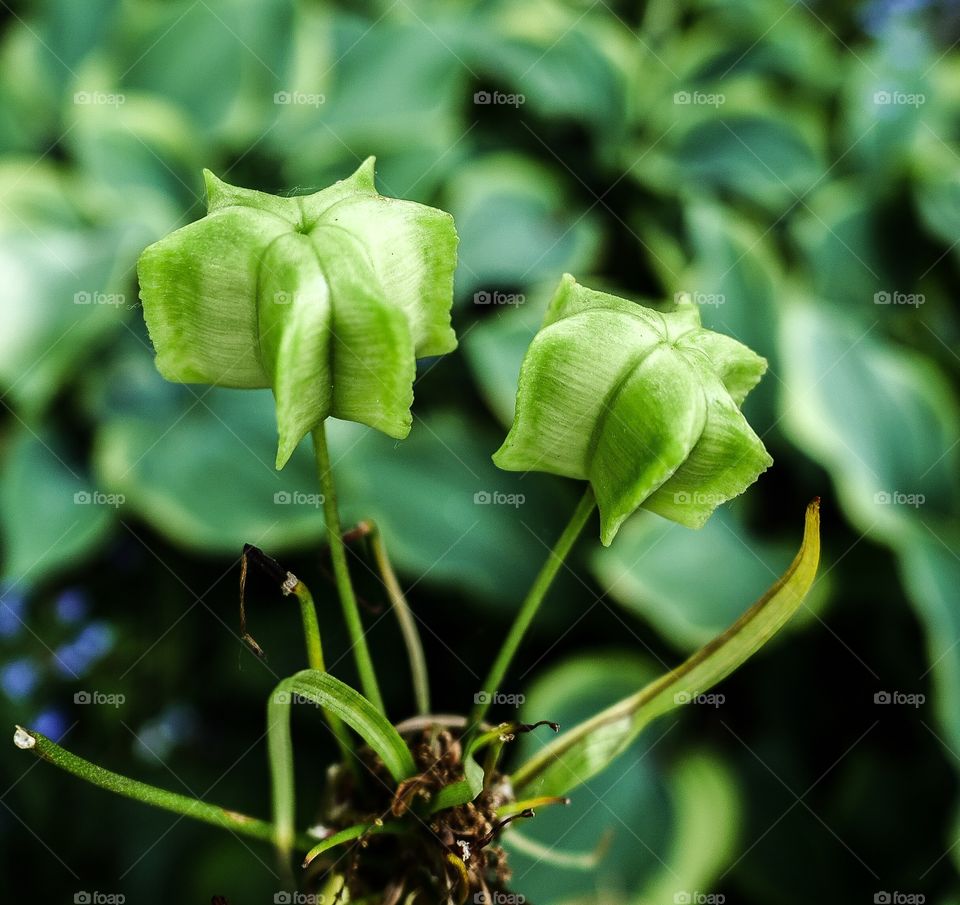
(643, 404)
(328, 299)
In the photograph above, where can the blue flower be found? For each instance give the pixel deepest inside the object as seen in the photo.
(71, 606)
(51, 723)
(19, 678)
(13, 606)
(94, 642)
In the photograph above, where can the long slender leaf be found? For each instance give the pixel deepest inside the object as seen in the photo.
(345, 702)
(39, 745)
(590, 747)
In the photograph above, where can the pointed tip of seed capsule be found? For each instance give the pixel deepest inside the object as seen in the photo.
(23, 739)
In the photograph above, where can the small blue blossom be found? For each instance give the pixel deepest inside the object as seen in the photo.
(13, 606)
(76, 657)
(51, 723)
(71, 606)
(19, 678)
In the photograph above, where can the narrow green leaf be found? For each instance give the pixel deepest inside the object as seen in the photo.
(348, 835)
(590, 747)
(45, 749)
(353, 708)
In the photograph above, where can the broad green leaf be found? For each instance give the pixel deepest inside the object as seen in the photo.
(841, 233)
(930, 568)
(882, 420)
(640, 402)
(51, 514)
(761, 158)
(590, 747)
(353, 708)
(356, 285)
(559, 70)
(705, 816)
(516, 225)
(161, 459)
(221, 61)
(63, 272)
(643, 826)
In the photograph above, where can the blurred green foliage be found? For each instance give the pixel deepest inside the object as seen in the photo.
(793, 165)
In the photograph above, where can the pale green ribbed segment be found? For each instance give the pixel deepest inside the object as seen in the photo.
(328, 299)
(643, 403)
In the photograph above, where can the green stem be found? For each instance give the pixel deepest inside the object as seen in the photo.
(531, 605)
(341, 572)
(49, 751)
(406, 620)
(311, 633)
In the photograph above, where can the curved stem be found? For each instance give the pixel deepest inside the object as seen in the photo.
(531, 605)
(50, 751)
(341, 572)
(405, 618)
(311, 632)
